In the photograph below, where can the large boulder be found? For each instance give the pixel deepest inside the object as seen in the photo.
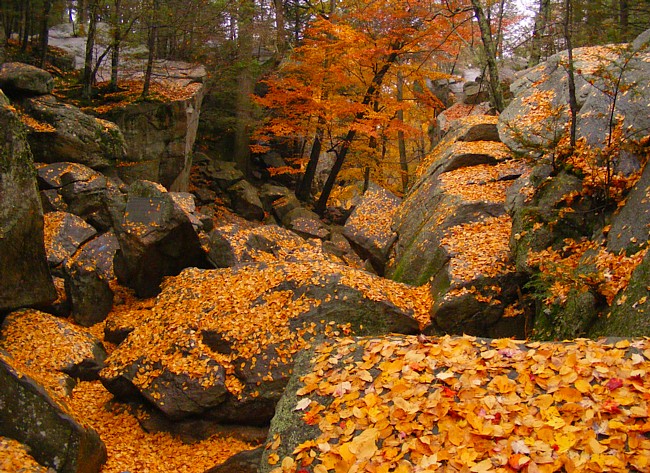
(76, 137)
(305, 223)
(463, 404)
(220, 343)
(156, 236)
(23, 281)
(369, 225)
(453, 234)
(18, 79)
(246, 200)
(30, 415)
(160, 136)
(606, 76)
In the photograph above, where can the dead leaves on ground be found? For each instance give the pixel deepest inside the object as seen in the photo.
(409, 404)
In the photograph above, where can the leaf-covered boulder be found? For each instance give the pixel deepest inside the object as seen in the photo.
(64, 235)
(229, 335)
(305, 223)
(19, 79)
(73, 135)
(369, 225)
(30, 415)
(23, 281)
(423, 213)
(64, 353)
(628, 316)
(454, 232)
(87, 280)
(408, 403)
(156, 235)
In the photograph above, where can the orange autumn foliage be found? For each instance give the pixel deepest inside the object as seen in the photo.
(333, 81)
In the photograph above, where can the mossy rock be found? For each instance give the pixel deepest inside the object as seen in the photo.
(630, 313)
(568, 320)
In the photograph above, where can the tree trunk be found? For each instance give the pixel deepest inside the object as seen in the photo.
(401, 142)
(373, 89)
(45, 31)
(117, 39)
(82, 15)
(304, 189)
(151, 44)
(87, 82)
(281, 34)
(624, 19)
(490, 54)
(245, 82)
(25, 22)
(573, 102)
(539, 32)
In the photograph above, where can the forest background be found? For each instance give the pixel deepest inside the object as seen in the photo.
(356, 80)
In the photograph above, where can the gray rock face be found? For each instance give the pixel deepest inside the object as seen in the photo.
(631, 224)
(159, 138)
(17, 78)
(223, 174)
(156, 237)
(23, 281)
(87, 276)
(207, 321)
(77, 137)
(369, 225)
(56, 439)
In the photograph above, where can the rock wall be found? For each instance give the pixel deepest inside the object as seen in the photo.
(160, 137)
(24, 276)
